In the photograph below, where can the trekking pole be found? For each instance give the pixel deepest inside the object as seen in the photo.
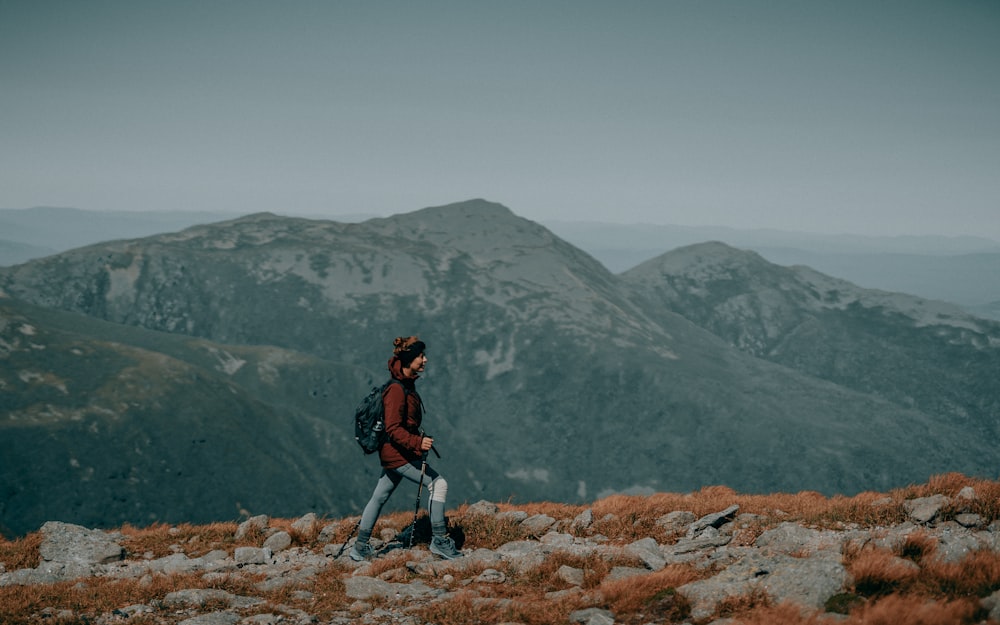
(348, 539)
(416, 506)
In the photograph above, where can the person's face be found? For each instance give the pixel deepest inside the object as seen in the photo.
(418, 364)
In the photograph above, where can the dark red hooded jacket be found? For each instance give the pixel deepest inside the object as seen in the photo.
(402, 423)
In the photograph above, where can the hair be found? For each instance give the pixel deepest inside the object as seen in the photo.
(407, 348)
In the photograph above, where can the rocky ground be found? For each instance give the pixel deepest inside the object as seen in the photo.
(549, 574)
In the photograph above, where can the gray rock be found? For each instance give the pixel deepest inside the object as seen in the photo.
(278, 541)
(592, 616)
(555, 540)
(559, 595)
(30, 577)
(135, 609)
(256, 523)
(954, 546)
(583, 520)
(480, 555)
(306, 523)
(491, 576)
(361, 587)
(538, 524)
(174, 563)
(716, 520)
(923, 510)
(250, 555)
(624, 572)
(285, 578)
(571, 575)
(513, 515)
(518, 549)
(262, 619)
(992, 603)
(805, 581)
(198, 597)
(968, 519)
(483, 507)
(328, 532)
(212, 618)
(792, 538)
(676, 521)
(72, 544)
(647, 550)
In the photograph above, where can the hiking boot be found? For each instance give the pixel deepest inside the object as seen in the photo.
(444, 547)
(361, 551)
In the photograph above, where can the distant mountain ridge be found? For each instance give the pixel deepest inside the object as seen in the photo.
(550, 377)
(961, 270)
(802, 319)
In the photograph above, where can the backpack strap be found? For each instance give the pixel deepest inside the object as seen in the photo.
(406, 392)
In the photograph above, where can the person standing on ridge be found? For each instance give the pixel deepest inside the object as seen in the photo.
(404, 453)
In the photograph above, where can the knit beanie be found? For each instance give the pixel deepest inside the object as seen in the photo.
(408, 348)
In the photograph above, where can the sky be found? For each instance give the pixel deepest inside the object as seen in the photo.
(864, 117)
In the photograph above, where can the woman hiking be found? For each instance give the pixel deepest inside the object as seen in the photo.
(405, 451)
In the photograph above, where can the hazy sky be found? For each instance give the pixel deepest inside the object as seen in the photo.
(871, 116)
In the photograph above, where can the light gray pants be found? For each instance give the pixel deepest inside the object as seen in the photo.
(437, 489)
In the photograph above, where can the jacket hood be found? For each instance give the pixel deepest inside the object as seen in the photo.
(396, 369)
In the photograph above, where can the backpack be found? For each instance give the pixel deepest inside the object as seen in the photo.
(369, 418)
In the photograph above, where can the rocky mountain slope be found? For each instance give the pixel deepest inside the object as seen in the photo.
(925, 354)
(104, 423)
(549, 379)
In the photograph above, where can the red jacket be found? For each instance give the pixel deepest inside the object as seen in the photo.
(402, 424)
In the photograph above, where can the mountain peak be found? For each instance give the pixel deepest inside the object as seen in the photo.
(476, 213)
(474, 225)
(475, 207)
(704, 259)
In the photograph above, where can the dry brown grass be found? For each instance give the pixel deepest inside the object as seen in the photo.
(160, 540)
(467, 608)
(916, 610)
(481, 531)
(879, 572)
(329, 593)
(391, 562)
(912, 566)
(906, 583)
(635, 594)
(595, 567)
(977, 575)
(786, 614)
(21, 553)
(95, 595)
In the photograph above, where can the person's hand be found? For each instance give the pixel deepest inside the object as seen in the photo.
(426, 443)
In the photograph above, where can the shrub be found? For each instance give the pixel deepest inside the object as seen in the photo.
(879, 572)
(21, 553)
(916, 610)
(635, 594)
(916, 547)
(486, 531)
(977, 575)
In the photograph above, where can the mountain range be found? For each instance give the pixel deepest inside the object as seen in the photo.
(212, 372)
(961, 270)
